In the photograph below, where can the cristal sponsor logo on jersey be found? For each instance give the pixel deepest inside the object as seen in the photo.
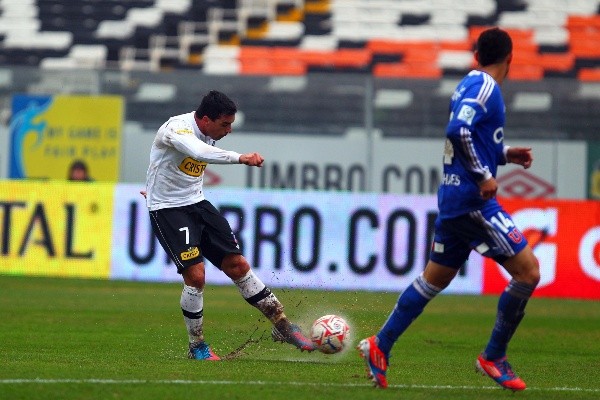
(466, 114)
(192, 167)
(192, 252)
(184, 132)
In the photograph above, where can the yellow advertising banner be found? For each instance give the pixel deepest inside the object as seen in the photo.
(50, 133)
(55, 228)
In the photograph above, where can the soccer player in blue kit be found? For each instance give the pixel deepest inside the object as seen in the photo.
(470, 218)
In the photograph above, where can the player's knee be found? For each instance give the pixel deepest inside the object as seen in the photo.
(534, 276)
(194, 276)
(531, 274)
(235, 266)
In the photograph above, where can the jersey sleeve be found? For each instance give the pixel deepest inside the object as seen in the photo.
(464, 123)
(180, 135)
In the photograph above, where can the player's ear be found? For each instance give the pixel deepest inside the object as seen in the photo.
(509, 59)
(476, 55)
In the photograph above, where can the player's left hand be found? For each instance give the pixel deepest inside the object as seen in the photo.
(520, 155)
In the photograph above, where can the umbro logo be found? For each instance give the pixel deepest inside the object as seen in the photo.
(519, 183)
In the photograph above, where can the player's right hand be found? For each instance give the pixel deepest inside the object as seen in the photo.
(252, 159)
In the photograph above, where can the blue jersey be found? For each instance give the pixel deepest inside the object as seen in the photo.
(474, 144)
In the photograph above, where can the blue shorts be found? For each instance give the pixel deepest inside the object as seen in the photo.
(490, 231)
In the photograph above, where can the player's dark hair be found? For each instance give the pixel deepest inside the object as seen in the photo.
(493, 46)
(215, 104)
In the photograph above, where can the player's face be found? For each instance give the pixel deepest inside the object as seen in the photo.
(218, 128)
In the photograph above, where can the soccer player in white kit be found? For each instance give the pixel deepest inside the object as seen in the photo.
(191, 229)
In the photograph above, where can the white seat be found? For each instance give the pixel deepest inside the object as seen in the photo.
(448, 16)
(221, 60)
(554, 36)
(581, 7)
(285, 30)
(174, 6)
(458, 59)
(39, 40)
(393, 98)
(147, 17)
(58, 63)
(6, 78)
(221, 67)
(109, 29)
(588, 90)
(156, 92)
(16, 25)
(531, 19)
(319, 42)
(89, 55)
(19, 10)
(532, 102)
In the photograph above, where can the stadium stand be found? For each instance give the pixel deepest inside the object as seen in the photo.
(404, 54)
(388, 38)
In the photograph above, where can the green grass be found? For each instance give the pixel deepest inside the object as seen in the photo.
(84, 339)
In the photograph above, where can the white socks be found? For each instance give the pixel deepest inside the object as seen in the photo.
(192, 306)
(254, 291)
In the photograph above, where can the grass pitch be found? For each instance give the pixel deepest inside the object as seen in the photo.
(84, 339)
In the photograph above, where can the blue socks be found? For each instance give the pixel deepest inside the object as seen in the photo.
(511, 309)
(409, 306)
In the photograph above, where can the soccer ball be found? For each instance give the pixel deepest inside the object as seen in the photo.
(330, 333)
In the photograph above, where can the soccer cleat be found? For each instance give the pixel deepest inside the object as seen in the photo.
(202, 351)
(375, 360)
(292, 334)
(500, 371)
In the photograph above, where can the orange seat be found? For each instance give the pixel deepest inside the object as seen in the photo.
(560, 62)
(456, 45)
(519, 36)
(323, 58)
(316, 6)
(384, 46)
(270, 67)
(525, 57)
(526, 73)
(413, 71)
(358, 58)
(583, 22)
(420, 55)
(260, 52)
(585, 43)
(589, 75)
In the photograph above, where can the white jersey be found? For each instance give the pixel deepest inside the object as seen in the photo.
(178, 157)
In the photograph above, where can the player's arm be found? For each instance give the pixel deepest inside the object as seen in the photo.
(461, 128)
(462, 140)
(179, 135)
